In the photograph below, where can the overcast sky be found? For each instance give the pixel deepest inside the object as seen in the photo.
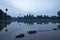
(35, 7)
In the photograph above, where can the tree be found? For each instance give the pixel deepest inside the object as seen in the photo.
(6, 10)
(1, 14)
(58, 13)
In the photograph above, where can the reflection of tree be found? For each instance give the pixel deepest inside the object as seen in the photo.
(45, 22)
(3, 24)
(40, 22)
(58, 27)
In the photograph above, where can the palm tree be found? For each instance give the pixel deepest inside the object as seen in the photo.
(6, 13)
(6, 10)
(58, 13)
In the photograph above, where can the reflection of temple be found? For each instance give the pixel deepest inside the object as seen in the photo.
(29, 23)
(3, 24)
(32, 22)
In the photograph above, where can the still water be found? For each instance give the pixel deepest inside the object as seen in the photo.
(29, 31)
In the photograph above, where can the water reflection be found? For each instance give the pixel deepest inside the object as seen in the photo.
(29, 23)
(15, 29)
(37, 22)
(58, 27)
(4, 24)
(43, 30)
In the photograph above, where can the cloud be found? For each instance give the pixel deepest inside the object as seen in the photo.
(33, 4)
(25, 6)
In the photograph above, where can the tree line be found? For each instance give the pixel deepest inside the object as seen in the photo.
(4, 16)
(39, 17)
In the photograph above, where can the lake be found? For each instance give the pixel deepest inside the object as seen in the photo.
(29, 31)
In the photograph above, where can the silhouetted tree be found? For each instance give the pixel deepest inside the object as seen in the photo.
(6, 10)
(4, 16)
(53, 17)
(1, 14)
(58, 13)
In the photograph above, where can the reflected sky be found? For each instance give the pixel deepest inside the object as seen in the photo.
(15, 26)
(14, 29)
